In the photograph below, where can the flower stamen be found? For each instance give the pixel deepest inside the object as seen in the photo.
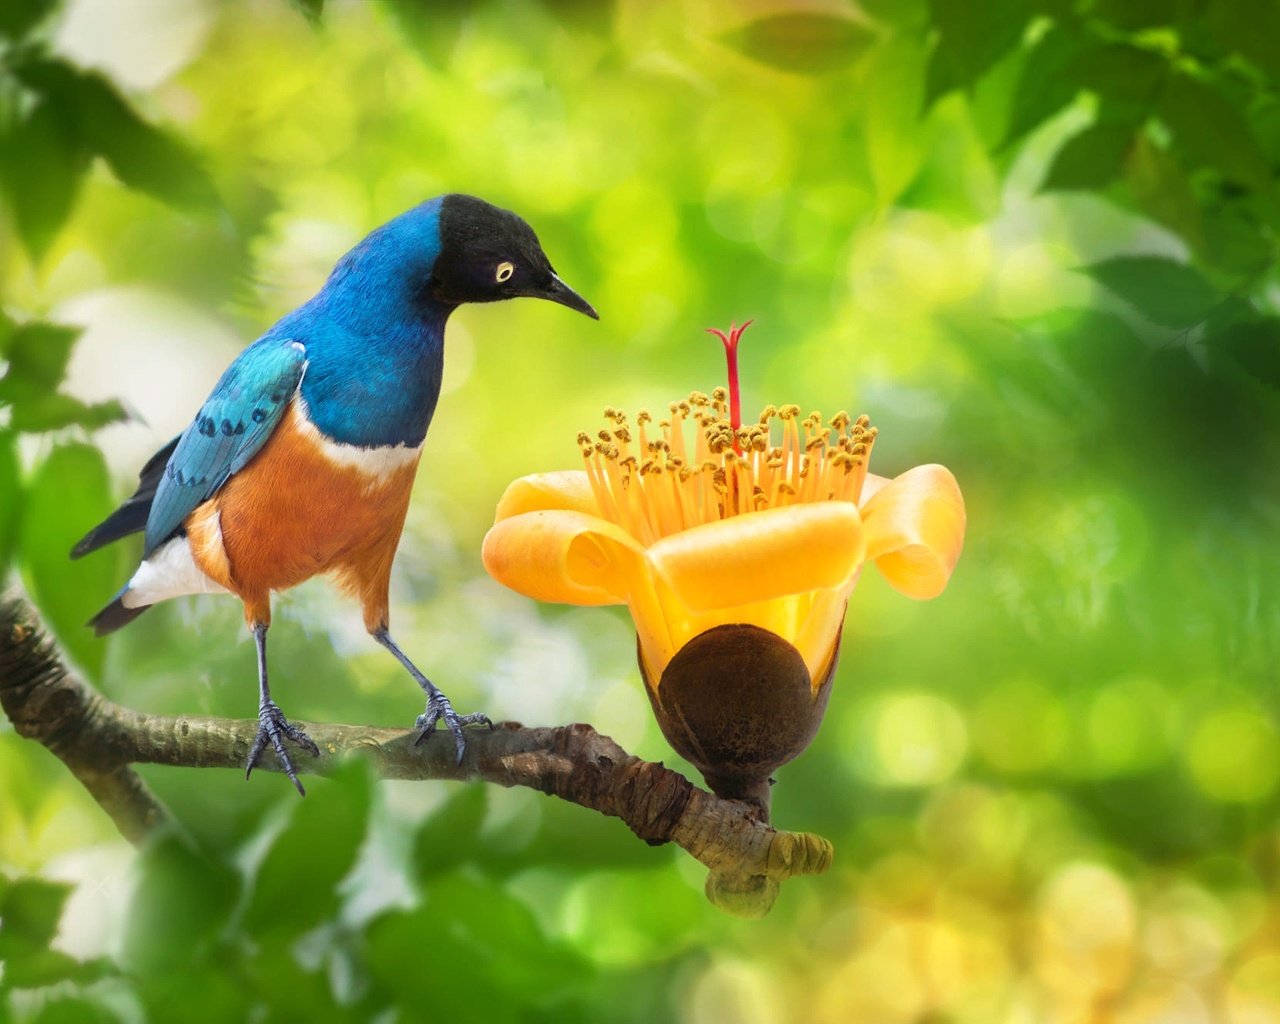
(650, 486)
(654, 486)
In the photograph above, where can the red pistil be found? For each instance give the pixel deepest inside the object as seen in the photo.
(735, 391)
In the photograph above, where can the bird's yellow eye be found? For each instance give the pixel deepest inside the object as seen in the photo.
(505, 270)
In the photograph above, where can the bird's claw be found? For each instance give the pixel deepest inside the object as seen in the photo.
(273, 727)
(438, 707)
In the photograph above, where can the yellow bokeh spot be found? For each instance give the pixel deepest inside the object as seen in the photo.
(1185, 932)
(1234, 756)
(878, 984)
(975, 827)
(1020, 726)
(1253, 995)
(901, 879)
(1087, 926)
(1086, 906)
(912, 740)
(1126, 727)
(734, 990)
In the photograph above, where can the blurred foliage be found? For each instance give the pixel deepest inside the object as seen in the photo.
(1036, 240)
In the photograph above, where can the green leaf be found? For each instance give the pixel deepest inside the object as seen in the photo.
(205, 990)
(41, 166)
(53, 412)
(595, 16)
(181, 906)
(805, 43)
(72, 1010)
(1210, 131)
(431, 28)
(37, 353)
(955, 178)
(41, 968)
(10, 498)
(311, 9)
(1135, 15)
(1230, 312)
(895, 144)
(659, 915)
(69, 493)
(912, 14)
(1099, 350)
(296, 886)
(18, 17)
(972, 37)
(1126, 79)
(1160, 189)
(1170, 293)
(1235, 242)
(495, 945)
(448, 837)
(141, 155)
(29, 915)
(291, 991)
(1090, 160)
(1098, 347)
(1048, 82)
(1254, 348)
(1250, 29)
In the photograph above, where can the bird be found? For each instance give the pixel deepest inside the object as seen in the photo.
(301, 460)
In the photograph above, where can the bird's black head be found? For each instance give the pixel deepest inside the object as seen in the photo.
(487, 254)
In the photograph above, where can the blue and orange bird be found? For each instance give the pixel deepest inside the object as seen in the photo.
(301, 460)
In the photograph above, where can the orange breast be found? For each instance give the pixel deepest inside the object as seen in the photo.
(294, 512)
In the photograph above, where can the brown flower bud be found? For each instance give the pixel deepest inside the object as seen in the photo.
(737, 702)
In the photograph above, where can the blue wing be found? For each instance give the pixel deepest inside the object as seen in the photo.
(232, 425)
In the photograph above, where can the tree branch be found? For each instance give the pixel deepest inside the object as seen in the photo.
(98, 740)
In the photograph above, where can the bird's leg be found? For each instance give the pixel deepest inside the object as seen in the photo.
(272, 725)
(438, 705)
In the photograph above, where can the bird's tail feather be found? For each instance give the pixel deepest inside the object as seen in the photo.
(115, 615)
(131, 517)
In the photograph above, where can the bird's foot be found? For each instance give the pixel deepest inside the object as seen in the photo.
(273, 727)
(438, 707)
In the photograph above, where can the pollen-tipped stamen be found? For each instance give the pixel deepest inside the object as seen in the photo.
(653, 487)
(645, 485)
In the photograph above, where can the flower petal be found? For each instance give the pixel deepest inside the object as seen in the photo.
(915, 529)
(762, 555)
(564, 556)
(872, 486)
(818, 633)
(567, 489)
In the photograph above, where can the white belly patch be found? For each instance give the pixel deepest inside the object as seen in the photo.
(377, 464)
(169, 572)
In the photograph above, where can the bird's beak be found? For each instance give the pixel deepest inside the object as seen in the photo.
(558, 291)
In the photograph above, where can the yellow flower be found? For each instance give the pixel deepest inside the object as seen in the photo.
(766, 526)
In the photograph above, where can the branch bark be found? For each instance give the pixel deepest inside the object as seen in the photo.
(99, 740)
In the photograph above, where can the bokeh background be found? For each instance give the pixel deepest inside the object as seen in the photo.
(1036, 241)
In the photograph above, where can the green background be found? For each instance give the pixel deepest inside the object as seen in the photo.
(1036, 242)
